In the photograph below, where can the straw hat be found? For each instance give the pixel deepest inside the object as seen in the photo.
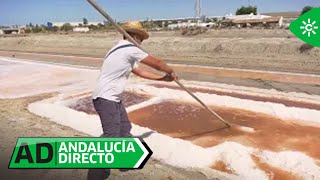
(136, 28)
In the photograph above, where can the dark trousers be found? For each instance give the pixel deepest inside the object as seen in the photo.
(115, 124)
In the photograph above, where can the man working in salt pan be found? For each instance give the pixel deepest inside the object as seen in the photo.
(120, 61)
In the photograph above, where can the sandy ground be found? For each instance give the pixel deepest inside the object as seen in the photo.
(16, 122)
(210, 152)
(266, 50)
(245, 48)
(282, 82)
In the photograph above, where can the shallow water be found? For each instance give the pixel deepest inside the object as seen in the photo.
(193, 123)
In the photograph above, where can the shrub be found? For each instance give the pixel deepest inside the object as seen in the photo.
(247, 10)
(305, 48)
(28, 30)
(306, 9)
(36, 29)
(85, 21)
(66, 27)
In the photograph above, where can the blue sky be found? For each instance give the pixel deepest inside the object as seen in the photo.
(42, 11)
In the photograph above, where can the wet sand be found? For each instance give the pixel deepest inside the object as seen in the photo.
(286, 102)
(128, 98)
(274, 173)
(193, 123)
(221, 166)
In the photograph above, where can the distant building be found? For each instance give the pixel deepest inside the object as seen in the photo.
(285, 15)
(190, 24)
(246, 17)
(288, 17)
(11, 30)
(81, 29)
(1, 32)
(60, 24)
(253, 20)
(276, 21)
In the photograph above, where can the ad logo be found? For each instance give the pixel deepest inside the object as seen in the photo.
(79, 153)
(307, 27)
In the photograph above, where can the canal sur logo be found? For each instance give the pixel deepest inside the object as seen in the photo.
(307, 27)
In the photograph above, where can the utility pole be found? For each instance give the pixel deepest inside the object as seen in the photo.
(197, 9)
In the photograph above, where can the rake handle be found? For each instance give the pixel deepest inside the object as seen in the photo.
(202, 103)
(119, 28)
(122, 31)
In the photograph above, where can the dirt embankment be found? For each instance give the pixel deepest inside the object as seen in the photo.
(256, 49)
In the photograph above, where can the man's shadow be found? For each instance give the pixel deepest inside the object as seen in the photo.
(144, 135)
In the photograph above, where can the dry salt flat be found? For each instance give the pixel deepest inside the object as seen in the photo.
(72, 83)
(26, 78)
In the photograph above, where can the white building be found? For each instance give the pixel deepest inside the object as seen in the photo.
(1, 31)
(246, 17)
(190, 24)
(81, 29)
(60, 24)
(250, 19)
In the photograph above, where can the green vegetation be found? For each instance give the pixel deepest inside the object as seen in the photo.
(36, 29)
(54, 29)
(306, 9)
(247, 10)
(66, 27)
(30, 25)
(151, 25)
(93, 27)
(27, 30)
(85, 21)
